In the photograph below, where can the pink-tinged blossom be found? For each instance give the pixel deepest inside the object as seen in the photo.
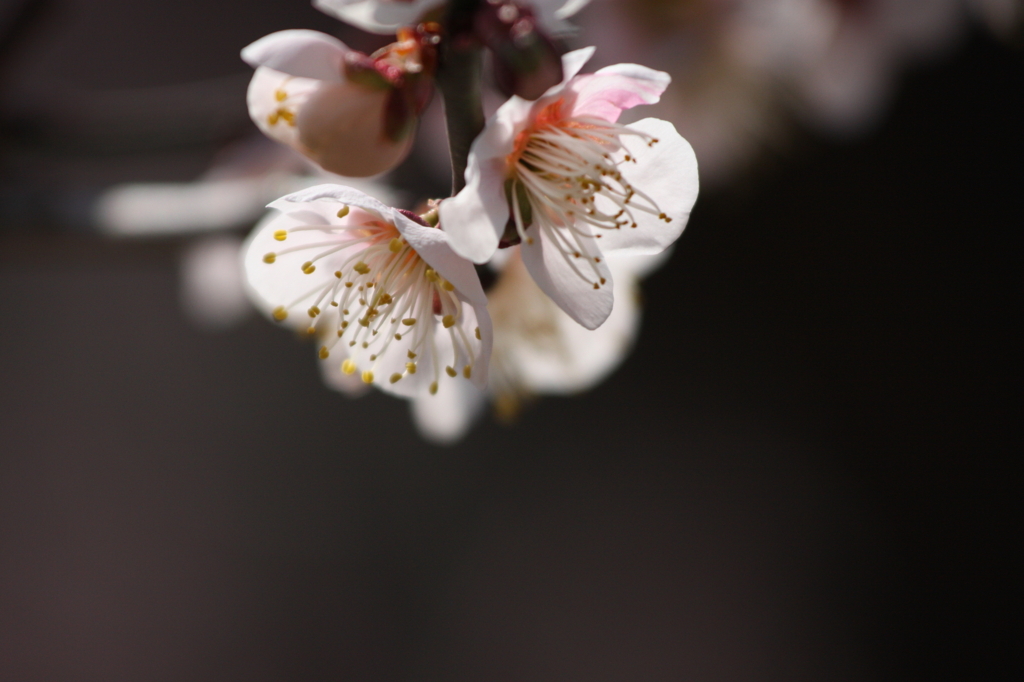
(569, 182)
(381, 290)
(332, 104)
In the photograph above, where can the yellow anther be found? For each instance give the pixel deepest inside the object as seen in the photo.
(384, 299)
(373, 357)
(448, 321)
(603, 280)
(396, 245)
(367, 377)
(467, 371)
(398, 337)
(280, 95)
(279, 313)
(366, 321)
(529, 240)
(334, 303)
(270, 258)
(395, 378)
(308, 267)
(409, 321)
(412, 356)
(451, 371)
(349, 284)
(477, 332)
(447, 286)
(596, 285)
(288, 116)
(362, 268)
(337, 273)
(433, 388)
(310, 331)
(431, 275)
(597, 260)
(314, 311)
(272, 119)
(369, 285)
(324, 353)
(410, 367)
(349, 366)
(344, 324)
(281, 235)
(343, 211)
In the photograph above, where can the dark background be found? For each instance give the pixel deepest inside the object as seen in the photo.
(808, 469)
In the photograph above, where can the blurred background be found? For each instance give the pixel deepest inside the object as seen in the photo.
(807, 469)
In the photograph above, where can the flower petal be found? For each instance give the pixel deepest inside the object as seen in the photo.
(568, 280)
(376, 16)
(570, 358)
(573, 62)
(608, 92)
(282, 281)
(299, 52)
(445, 418)
(475, 218)
(667, 173)
(264, 106)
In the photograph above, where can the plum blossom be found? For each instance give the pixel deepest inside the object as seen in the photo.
(562, 177)
(387, 16)
(538, 349)
(380, 289)
(353, 115)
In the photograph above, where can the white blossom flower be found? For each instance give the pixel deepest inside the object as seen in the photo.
(404, 309)
(572, 184)
(302, 96)
(387, 16)
(538, 349)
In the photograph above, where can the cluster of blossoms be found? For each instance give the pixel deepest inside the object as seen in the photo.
(565, 203)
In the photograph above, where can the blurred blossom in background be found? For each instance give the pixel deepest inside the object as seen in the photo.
(796, 457)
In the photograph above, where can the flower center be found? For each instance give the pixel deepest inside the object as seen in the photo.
(558, 167)
(383, 300)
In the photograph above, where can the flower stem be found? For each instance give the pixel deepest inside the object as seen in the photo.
(459, 80)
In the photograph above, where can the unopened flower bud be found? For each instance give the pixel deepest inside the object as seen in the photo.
(353, 114)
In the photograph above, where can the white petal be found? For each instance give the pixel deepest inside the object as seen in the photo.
(446, 417)
(638, 267)
(445, 352)
(376, 16)
(575, 359)
(433, 246)
(573, 62)
(283, 282)
(299, 52)
(665, 172)
(263, 104)
(351, 385)
(608, 92)
(475, 218)
(348, 196)
(559, 276)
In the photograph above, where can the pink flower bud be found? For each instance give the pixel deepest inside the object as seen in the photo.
(353, 114)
